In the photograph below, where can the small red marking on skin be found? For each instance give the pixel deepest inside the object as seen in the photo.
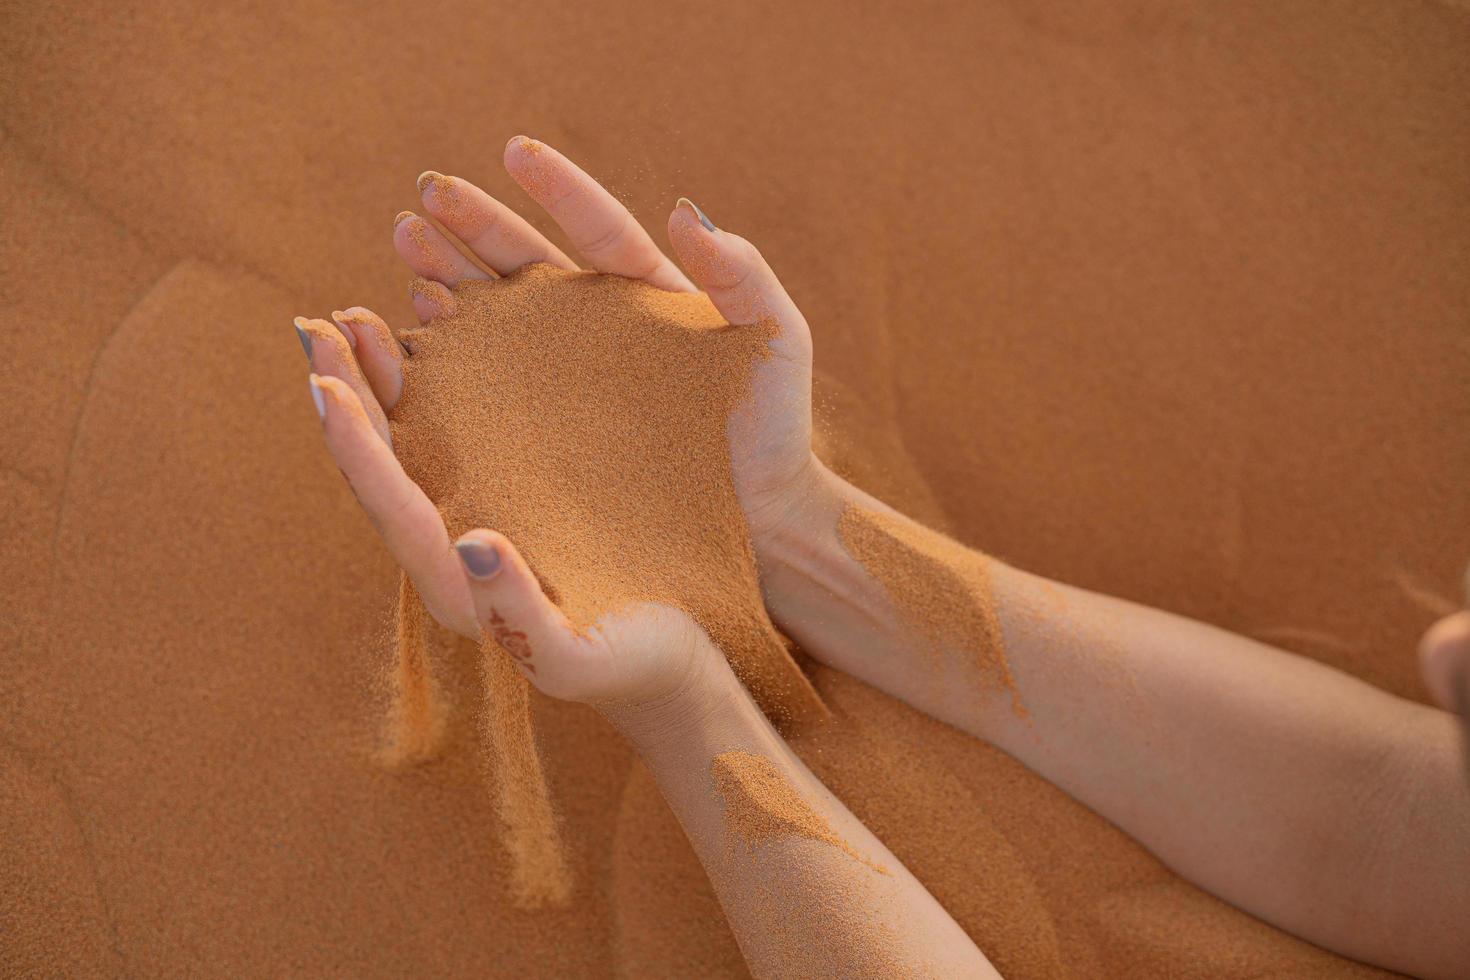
(514, 642)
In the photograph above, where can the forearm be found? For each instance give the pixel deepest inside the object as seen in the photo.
(807, 889)
(1303, 795)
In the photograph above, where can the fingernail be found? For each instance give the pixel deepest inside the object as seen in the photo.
(403, 216)
(703, 218)
(428, 177)
(481, 560)
(340, 319)
(302, 336)
(526, 143)
(316, 397)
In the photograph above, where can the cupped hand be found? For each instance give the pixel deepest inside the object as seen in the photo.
(771, 431)
(644, 657)
(646, 654)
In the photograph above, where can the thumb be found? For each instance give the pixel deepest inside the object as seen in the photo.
(509, 603)
(515, 613)
(1444, 657)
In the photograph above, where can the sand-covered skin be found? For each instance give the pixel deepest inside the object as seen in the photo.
(762, 805)
(1152, 299)
(585, 418)
(941, 589)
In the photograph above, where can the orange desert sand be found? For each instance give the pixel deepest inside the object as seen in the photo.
(1167, 301)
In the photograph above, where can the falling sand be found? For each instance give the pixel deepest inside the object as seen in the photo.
(416, 722)
(585, 416)
(1031, 302)
(941, 588)
(539, 875)
(762, 805)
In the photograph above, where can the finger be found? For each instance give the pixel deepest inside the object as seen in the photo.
(496, 235)
(1444, 658)
(597, 224)
(737, 279)
(379, 353)
(431, 299)
(330, 355)
(429, 254)
(409, 523)
(510, 604)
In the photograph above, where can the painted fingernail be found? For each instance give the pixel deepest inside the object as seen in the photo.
(703, 218)
(429, 177)
(403, 216)
(481, 560)
(302, 336)
(341, 320)
(316, 397)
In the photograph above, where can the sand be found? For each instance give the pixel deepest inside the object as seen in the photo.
(1167, 302)
(940, 588)
(416, 722)
(537, 865)
(762, 805)
(585, 417)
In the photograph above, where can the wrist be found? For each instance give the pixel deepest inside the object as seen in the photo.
(807, 517)
(707, 694)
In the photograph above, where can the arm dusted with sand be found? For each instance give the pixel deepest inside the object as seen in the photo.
(1303, 795)
(807, 889)
(1315, 801)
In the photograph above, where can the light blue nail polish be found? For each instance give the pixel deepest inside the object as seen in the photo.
(317, 399)
(480, 559)
(703, 218)
(305, 339)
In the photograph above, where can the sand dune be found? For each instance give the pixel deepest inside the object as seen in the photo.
(1166, 301)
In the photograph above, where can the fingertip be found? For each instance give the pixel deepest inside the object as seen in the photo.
(690, 208)
(340, 319)
(329, 348)
(440, 194)
(380, 352)
(316, 395)
(364, 323)
(337, 389)
(431, 299)
(401, 217)
(1444, 659)
(521, 145)
(480, 553)
(540, 172)
(702, 248)
(303, 336)
(338, 400)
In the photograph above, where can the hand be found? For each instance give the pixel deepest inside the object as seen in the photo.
(1444, 658)
(645, 658)
(770, 433)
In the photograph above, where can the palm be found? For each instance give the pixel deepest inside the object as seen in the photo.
(642, 653)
